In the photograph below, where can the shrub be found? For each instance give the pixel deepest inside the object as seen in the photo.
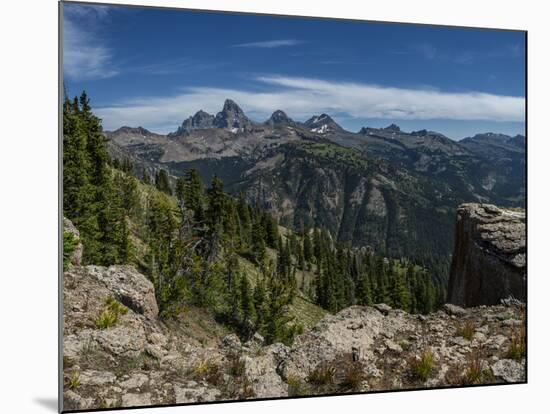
(422, 368)
(110, 314)
(106, 319)
(69, 245)
(466, 331)
(73, 381)
(208, 371)
(323, 374)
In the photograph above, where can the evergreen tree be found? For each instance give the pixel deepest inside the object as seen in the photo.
(260, 299)
(258, 241)
(247, 301)
(162, 182)
(193, 193)
(76, 187)
(399, 294)
(308, 248)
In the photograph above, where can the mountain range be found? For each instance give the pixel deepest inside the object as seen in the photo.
(394, 191)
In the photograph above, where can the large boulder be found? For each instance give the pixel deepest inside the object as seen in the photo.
(489, 259)
(129, 286)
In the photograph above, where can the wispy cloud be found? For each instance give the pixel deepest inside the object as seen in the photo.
(303, 97)
(270, 44)
(462, 57)
(85, 56)
(427, 50)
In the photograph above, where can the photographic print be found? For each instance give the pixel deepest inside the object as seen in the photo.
(259, 206)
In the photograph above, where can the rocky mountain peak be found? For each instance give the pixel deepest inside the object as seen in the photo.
(131, 130)
(231, 106)
(279, 117)
(393, 128)
(201, 120)
(322, 124)
(420, 133)
(232, 117)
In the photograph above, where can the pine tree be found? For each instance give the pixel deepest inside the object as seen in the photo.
(258, 241)
(399, 294)
(162, 182)
(247, 302)
(193, 193)
(215, 214)
(245, 220)
(271, 230)
(75, 165)
(308, 248)
(260, 298)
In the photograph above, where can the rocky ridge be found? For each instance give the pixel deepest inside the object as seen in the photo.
(117, 352)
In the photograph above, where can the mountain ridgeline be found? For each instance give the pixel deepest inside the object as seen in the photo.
(391, 191)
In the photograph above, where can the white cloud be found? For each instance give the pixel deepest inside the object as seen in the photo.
(84, 55)
(303, 97)
(270, 44)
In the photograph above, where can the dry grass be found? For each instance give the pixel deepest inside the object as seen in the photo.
(208, 371)
(353, 376)
(422, 368)
(296, 387)
(518, 342)
(323, 374)
(466, 331)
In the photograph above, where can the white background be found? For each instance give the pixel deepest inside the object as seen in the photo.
(28, 204)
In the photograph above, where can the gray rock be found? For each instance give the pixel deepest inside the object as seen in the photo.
(232, 343)
(72, 399)
(256, 341)
(102, 378)
(193, 392)
(512, 322)
(136, 400)
(509, 370)
(454, 309)
(135, 381)
(261, 371)
(129, 286)
(122, 340)
(383, 308)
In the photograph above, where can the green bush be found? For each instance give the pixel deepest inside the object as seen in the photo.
(73, 381)
(110, 314)
(69, 244)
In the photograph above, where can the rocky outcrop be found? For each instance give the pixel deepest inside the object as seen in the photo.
(137, 359)
(489, 259)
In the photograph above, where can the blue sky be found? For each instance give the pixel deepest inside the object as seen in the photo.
(155, 67)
